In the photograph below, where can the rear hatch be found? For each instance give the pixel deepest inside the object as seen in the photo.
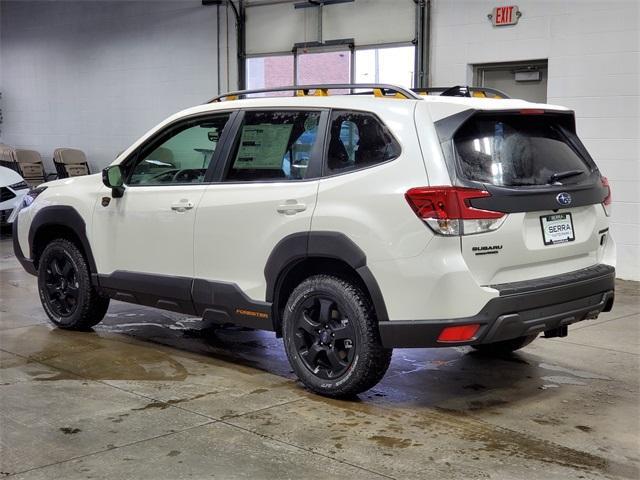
(540, 176)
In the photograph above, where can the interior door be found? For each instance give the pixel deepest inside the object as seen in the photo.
(150, 228)
(267, 191)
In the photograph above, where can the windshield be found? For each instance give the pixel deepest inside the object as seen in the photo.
(512, 150)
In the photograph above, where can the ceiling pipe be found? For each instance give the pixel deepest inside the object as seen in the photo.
(239, 13)
(422, 43)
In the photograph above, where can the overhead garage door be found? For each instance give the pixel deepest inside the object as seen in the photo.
(276, 28)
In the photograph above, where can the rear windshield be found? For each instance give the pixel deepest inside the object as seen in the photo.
(511, 150)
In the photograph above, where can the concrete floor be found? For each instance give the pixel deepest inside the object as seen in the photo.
(156, 395)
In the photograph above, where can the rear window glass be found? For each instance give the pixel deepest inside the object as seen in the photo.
(512, 150)
(358, 140)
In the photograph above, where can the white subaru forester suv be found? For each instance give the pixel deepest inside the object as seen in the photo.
(347, 224)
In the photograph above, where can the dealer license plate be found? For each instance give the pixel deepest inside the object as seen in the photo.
(557, 228)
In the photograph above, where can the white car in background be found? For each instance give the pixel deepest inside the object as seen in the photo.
(13, 188)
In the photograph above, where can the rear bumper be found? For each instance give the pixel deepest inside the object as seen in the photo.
(523, 308)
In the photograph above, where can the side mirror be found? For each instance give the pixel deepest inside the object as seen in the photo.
(112, 178)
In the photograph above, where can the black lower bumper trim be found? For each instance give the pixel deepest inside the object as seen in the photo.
(514, 315)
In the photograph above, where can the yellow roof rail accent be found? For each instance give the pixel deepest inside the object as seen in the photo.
(322, 90)
(377, 92)
(478, 94)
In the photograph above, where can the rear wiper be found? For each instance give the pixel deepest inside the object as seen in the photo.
(560, 175)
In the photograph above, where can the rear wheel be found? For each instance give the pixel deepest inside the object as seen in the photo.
(64, 285)
(331, 337)
(506, 346)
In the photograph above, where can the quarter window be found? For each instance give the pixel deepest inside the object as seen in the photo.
(358, 140)
(274, 146)
(180, 156)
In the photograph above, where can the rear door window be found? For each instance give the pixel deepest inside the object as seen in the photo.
(274, 145)
(519, 150)
(358, 140)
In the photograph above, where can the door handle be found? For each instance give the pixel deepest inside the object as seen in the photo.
(182, 206)
(291, 207)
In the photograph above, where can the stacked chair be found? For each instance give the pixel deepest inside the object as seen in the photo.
(70, 162)
(29, 163)
(7, 158)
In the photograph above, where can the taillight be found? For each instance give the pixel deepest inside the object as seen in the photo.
(606, 203)
(447, 211)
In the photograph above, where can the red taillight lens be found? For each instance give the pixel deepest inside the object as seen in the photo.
(448, 203)
(607, 199)
(462, 333)
(447, 210)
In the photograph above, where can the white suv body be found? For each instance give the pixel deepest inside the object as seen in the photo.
(411, 202)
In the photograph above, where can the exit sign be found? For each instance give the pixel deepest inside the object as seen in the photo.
(507, 15)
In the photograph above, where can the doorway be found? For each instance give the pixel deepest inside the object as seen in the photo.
(526, 80)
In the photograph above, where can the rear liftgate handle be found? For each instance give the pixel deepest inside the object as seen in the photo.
(291, 207)
(182, 206)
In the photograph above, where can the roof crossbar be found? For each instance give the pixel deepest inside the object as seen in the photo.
(379, 90)
(463, 91)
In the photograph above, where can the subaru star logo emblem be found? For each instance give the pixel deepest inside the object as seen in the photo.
(563, 198)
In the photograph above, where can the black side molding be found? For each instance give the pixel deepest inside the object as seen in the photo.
(160, 291)
(221, 302)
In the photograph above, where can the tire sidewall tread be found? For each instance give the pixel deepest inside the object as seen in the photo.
(371, 359)
(92, 306)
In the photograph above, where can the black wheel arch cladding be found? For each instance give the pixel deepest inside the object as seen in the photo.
(66, 217)
(301, 246)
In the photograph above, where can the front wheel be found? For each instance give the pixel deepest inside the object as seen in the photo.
(331, 337)
(64, 285)
(506, 346)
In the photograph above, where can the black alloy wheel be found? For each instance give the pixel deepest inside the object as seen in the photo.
(325, 338)
(61, 284)
(68, 297)
(331, 337)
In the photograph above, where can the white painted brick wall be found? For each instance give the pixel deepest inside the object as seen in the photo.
(593, 50)
(97, 75)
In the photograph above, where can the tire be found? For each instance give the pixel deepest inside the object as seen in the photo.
(331, 337)
(64, 285)
(506, 346)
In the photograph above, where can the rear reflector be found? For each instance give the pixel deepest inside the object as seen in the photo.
(531, 111)
(447, 210)
(462, 333)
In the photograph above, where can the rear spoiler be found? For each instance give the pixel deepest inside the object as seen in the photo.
(448, 126)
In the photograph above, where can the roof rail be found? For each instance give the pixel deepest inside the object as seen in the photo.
(377, 89)
(462, 91)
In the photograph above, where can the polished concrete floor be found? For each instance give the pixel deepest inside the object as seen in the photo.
(156, 395)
